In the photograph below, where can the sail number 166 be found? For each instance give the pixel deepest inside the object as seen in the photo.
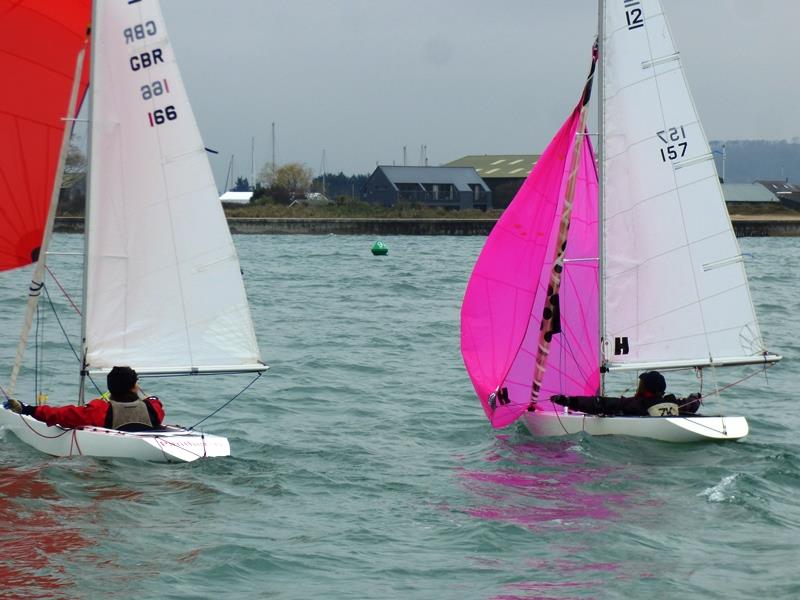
(675, 142)
(162, 115)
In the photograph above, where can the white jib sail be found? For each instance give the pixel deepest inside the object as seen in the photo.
(675, 287)
(164, 291)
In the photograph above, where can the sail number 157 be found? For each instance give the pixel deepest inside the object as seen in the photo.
(675, 143)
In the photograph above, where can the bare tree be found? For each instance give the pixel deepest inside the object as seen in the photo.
(266, 176)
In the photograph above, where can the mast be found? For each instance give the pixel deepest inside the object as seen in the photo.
(93, 61)
(37, 280)
(273, 153)
(324, 167)
(601, 143)
(229, 176)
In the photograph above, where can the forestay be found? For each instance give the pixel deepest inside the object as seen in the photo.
(164, 291)
(675, 287)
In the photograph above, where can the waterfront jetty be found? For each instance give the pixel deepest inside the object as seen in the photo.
(743, 225)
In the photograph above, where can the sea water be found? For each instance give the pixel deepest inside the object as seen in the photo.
(363, 466)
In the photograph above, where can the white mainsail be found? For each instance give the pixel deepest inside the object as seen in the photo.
(676, 290)
(164, 291)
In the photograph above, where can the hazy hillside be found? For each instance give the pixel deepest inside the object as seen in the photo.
(748, 160)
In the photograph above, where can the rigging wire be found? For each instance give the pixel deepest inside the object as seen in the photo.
(228, 402)
(63, 291)
(717, 391)
(60, 324)
(77, 357)
(36, 343)
(66, 336)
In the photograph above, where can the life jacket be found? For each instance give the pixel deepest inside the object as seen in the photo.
(129, 416)
(664, 409)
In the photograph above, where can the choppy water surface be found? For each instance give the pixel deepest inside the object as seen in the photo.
(364, 467)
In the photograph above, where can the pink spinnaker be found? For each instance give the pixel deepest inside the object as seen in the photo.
(502, 308)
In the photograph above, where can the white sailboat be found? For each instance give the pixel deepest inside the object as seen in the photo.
(163, 291)
(628, 263)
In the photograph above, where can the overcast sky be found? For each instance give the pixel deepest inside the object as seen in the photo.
(360, 79)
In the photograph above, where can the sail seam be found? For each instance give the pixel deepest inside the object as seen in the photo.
(646, 78)
(693, 335)
(164, 41)
(696, 302)
(56, 22)
(659, 195)
(43, 67)
(704, 142)
(663, 254)
(743, 271)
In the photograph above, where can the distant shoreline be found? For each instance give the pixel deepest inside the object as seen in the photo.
(743, 225)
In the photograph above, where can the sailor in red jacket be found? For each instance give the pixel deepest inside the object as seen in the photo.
(124, 410)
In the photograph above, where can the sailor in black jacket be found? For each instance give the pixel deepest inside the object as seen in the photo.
(648, 401)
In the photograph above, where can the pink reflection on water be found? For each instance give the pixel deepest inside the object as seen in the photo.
(552, 489)
(561, 452)
(539, 590)
(558, 493)
(548, 488)
(541, 498)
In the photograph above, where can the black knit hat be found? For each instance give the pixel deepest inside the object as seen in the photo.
(654, 382)
(120, 380)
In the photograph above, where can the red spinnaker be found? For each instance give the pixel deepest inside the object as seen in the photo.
(39, 43)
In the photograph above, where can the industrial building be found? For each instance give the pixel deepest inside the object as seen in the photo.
(787, 193)
(747, 195)
(503, 173)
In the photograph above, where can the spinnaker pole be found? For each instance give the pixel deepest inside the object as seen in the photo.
(37, 280)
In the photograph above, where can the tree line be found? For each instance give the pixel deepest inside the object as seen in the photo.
(294, 181)
(745, 161)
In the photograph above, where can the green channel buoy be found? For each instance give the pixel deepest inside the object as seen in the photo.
(379, 249)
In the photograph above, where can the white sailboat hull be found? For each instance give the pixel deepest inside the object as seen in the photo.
(667, 429)
(172, 444)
